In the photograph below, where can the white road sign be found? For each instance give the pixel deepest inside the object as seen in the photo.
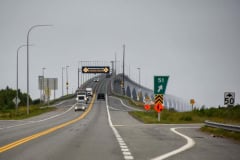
(229, 98)
(16, 100)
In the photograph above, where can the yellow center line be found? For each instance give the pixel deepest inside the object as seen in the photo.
(45, 132)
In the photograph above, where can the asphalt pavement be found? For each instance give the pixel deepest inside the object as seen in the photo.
(108, 132)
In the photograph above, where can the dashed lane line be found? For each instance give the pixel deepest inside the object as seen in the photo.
(124, 148)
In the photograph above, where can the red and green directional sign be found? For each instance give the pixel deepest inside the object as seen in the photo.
(160, 84)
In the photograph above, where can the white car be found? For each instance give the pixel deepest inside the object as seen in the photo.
(96, 79)
(80, 107)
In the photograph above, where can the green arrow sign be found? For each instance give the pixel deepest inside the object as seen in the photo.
(160, 84)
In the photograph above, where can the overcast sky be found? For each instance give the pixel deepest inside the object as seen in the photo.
(195, 42)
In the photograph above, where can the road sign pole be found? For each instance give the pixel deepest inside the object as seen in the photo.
(160, 84)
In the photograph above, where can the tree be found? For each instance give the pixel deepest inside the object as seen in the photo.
(7, 96)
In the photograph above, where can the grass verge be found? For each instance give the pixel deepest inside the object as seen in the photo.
(223, 115)
(217, 132)
(22, 112)
(166, 117)
(34, 110)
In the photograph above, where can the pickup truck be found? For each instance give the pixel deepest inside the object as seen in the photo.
(83, 93)
(81, 98)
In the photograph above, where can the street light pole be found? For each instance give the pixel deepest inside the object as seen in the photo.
(35, 26)
(139, 76)
(115, 64)
(112, 67)
(62, 81)
(43, 83)
(78, 75)
(123, 69)
(67, 79)
(24, 45)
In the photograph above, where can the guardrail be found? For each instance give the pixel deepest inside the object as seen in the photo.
(229, 127)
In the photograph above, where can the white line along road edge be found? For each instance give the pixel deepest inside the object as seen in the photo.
(41, 120)
(124, 148)
(190, 143)
(135, 109)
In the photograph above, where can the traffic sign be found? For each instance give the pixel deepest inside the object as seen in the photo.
(158, 107)
(192, 101)
(229, 98)
(160, 84)
(16, 100)
(159, 98)
(147, 107)
(95, 69)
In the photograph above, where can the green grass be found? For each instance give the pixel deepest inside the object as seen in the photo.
(34, 110)
(217, 132)
(167, 117)
(226, 115)
(229, 115)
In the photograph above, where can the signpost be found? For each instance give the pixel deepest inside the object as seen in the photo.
(192, 102)
(147, 102)
(158, 108)
(16, 101)
(158, 104)
(48, 84)
(160, 85)
(147, 107)
(229, 98)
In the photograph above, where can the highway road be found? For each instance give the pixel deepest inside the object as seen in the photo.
(107, 132)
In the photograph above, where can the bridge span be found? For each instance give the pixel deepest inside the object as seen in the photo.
(140, 93)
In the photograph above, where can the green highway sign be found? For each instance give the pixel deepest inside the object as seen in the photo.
(160, 84)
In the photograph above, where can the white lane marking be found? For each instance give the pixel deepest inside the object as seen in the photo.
(127, 105)
(31, 122)
(59, 103)
(128, 157)
(55, 115)
(190, 143)
(115, 109)
(124, 148)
